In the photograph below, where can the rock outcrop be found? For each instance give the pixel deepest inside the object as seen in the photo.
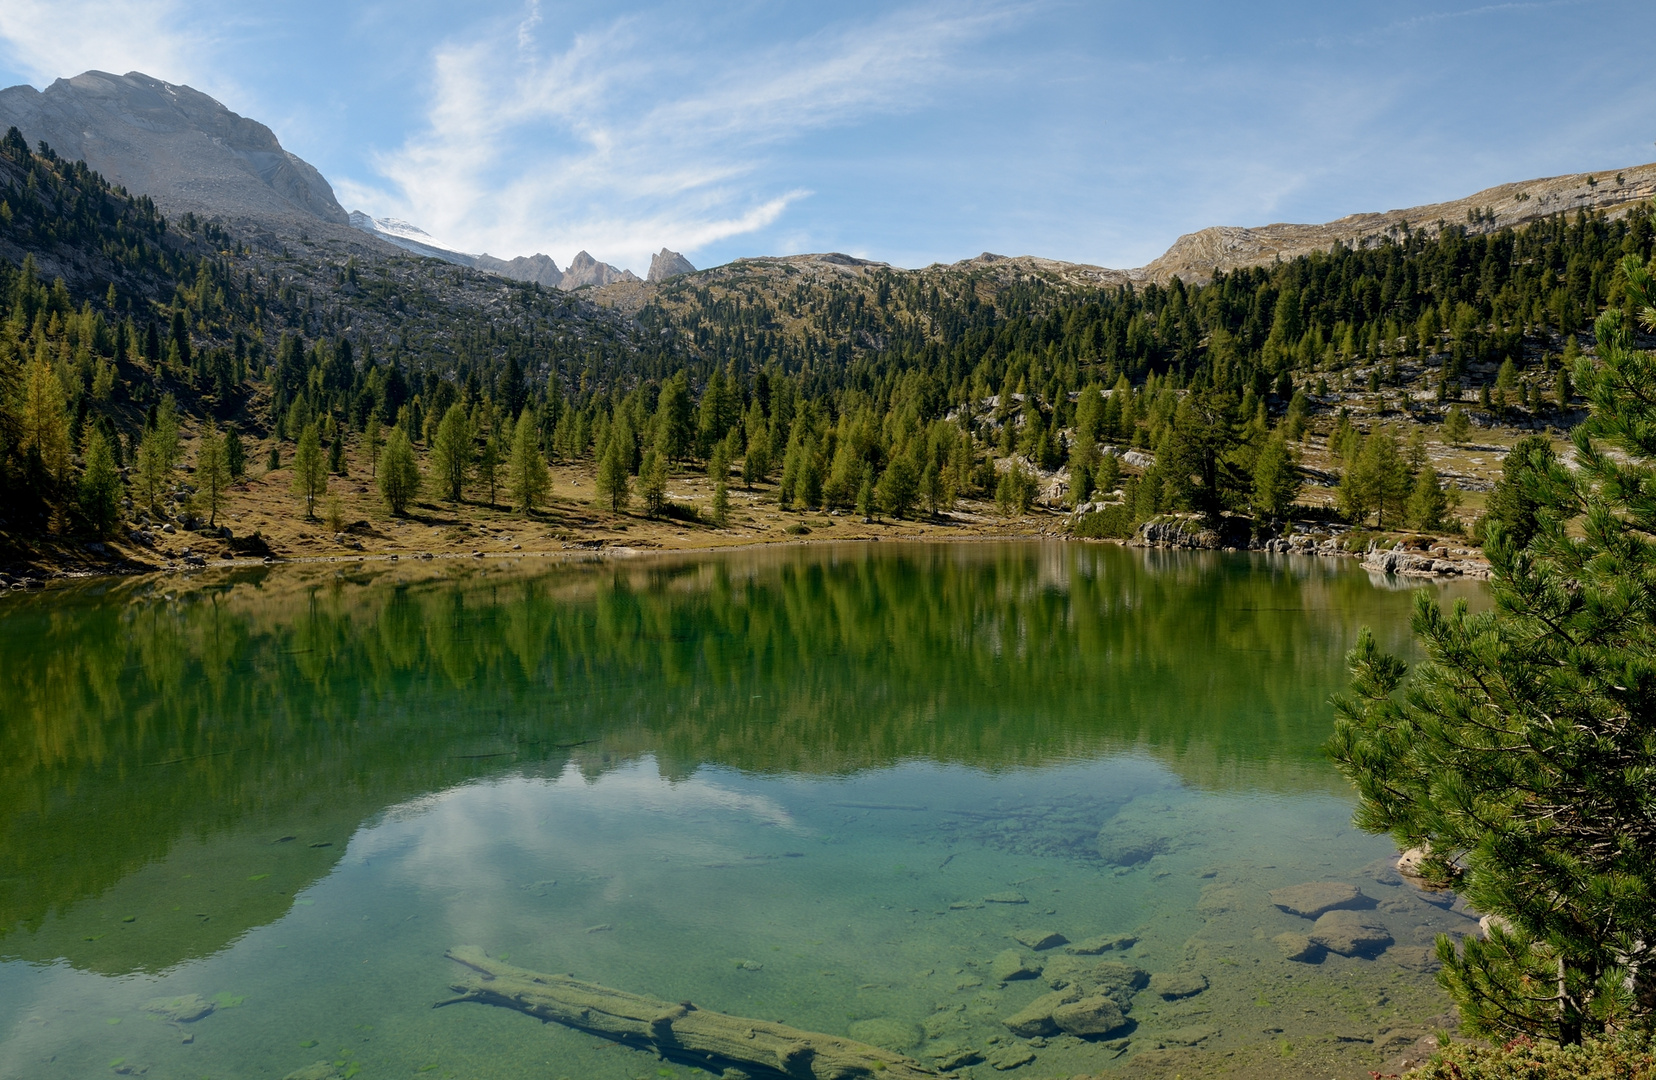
(537, 268)
(1415, 564)
(1194, 256)
(585, 270)
(665, 264)
(175, 144)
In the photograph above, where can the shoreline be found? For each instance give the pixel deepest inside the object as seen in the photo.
(1399, 563)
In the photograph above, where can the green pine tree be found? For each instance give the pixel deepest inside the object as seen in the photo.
(1276, 478)
(1520, 758)
(100, 484)
(1428, 502)
(1456, 427)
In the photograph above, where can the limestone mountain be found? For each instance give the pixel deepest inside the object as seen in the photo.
(585, 270)
(537, 268)
(177, 145)
(1194, 256)
(665, 264)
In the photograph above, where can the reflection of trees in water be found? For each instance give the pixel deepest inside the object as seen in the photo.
(266, 688)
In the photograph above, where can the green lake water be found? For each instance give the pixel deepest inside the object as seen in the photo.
(820, 785)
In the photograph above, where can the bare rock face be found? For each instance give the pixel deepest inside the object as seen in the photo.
(175, 144)
(585, 270)
(1350, 933)
(1194, 256)
(537, 268)
(665, 264)
(1314, 898)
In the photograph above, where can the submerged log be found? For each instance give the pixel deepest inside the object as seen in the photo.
(677, 1031)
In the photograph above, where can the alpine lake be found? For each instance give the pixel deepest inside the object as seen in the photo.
(914, 796)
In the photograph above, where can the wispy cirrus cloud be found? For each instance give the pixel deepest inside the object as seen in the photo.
(642, 132)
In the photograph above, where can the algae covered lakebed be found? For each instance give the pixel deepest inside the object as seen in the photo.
(1006, 809)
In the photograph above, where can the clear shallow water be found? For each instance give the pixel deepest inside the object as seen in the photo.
(781, 784)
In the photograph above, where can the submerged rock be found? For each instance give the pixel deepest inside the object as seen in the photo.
(1039, 939)
(1094, 1015)
(1095, 975)
(1351, 933)
(1036, 1018)
(321, 1070)
(1119, 846)
(1300, 947)
(1316, 898)
(1008, 897)
(951, 1059)
(1422, 958)
(1010, 1057)
(1172, 985)
(181, 1010)
(886, 1033)
(1102, 944)
(1010, 965)
(1187, 1036)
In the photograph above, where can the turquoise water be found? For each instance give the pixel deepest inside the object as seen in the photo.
(826, 786)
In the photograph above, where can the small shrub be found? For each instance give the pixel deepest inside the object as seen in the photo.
(1626, 1058)
(1111, 523)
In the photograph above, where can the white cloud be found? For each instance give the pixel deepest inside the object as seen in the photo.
(51, 39)
(637, 134)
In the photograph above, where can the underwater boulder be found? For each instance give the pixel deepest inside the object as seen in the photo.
(1351, 933)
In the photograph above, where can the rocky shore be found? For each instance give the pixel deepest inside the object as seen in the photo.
(1335, 542)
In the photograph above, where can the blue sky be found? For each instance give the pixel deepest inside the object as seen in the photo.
(908, 132)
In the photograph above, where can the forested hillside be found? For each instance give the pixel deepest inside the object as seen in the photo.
(133, 346)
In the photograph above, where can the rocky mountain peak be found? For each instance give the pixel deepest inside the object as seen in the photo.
(177, 145)
(665, 264)
(585, 270)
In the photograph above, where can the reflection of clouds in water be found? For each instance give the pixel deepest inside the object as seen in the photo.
(484, 844)
(45, 1008)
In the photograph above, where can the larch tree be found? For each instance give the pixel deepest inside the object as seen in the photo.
(614, 485)
(529, 478)
(490, 460)
(212, 471)
(652, 482)
(45, 421)
(399, 472)
(310, 470)
(451, 453)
